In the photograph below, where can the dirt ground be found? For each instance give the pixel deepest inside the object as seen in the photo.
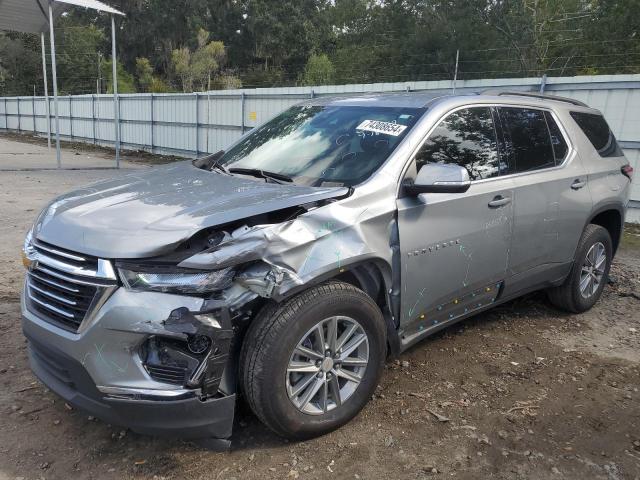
(523, 391)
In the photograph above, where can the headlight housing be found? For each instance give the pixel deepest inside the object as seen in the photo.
(27, 249)
(177, 282)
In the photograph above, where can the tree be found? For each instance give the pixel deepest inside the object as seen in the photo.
(284, 42)
(146, 80)
(181, 61)
(197, 68)
(78, 56)
(144, 72)
(20, 66)
(538, 31)
(318, 71)
(206, 60)
(126, 82)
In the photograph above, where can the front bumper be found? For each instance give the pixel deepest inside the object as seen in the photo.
(184, 418)
(99, 369)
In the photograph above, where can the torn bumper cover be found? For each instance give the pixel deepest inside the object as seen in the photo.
(188, 389)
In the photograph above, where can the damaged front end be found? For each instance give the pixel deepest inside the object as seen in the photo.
(160, 354)
(196, 357)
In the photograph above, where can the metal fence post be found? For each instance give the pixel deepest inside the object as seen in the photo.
(70, 117)
(208, 118)
(33, 110)
(151, 120)
(197, 126)
(19, 123)
(6, 117)
(543, 83)
(242, 110)
(313, 94)
(93, 117)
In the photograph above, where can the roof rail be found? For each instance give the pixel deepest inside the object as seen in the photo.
(534, 95)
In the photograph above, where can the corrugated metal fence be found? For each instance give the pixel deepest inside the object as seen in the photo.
(197, 123)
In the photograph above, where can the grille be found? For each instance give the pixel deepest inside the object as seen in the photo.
(64, 286)
(167, 374)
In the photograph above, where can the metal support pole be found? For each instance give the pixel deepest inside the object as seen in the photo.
(543, 83)
(93, 117)
(19, 122)
(152, 129)
(71, 117)
(455, 74)
(313, 94)
(55, 83)
(197, 125)
(242, 110)
(33, 110)
(116, 106)
(208, 116)
(46, 91)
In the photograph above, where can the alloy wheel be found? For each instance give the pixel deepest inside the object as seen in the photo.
(593, 269)
(327, 365)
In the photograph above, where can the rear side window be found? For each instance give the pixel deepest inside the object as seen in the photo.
(466, 137)
(559, 144)
(526, 139)
(597, 131)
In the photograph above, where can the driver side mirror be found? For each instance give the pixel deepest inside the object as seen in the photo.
(439, 178)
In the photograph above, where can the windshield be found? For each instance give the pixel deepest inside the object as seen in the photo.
(323, 145)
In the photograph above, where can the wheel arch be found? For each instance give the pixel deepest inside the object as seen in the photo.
(611, 217)
(374, 277)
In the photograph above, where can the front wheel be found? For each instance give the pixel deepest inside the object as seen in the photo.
(584, 285)
(310, 364)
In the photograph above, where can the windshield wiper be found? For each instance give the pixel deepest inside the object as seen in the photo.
(256, 172)
(211, 162)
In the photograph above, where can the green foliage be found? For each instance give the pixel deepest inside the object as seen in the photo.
(126, 82)
(197, 68)
(146, 80)
(20, 65)
(226, 81)
(265, 43)
(159, 86)
(77, 56)
(144, 74)
(318, 71)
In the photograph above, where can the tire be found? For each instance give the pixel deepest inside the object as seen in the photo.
(268, 350)
(569, 296)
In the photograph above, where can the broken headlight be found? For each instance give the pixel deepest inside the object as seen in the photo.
(178, 282)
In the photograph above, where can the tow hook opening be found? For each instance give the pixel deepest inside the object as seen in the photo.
(196, 355)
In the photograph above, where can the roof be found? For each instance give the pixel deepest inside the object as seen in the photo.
(402, 100)
(428, 98)
(31, 16)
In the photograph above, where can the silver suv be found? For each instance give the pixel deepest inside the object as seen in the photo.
(289, 267)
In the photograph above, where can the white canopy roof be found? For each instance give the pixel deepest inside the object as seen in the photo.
(31, 16)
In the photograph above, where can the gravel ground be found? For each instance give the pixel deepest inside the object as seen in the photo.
(523, 391)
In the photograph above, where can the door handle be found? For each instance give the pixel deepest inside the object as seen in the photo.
(499, 201)
(578, 184)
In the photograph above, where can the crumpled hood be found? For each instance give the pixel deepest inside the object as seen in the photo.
(147, 213)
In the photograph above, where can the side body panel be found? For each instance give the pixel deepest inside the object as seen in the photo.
(608, 187)
(452, 246)
(551, 207)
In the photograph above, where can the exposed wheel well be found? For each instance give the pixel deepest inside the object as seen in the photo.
(367, 278)
(612, 221)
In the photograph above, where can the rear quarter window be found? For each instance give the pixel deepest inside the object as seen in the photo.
(527, 140)
(598, 132)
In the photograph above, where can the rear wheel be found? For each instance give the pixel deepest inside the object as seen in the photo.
(309, 365)
(584, 285)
